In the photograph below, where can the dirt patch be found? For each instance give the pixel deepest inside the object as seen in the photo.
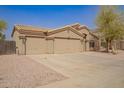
(21, 71)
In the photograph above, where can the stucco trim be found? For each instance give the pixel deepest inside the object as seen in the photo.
(51, 38)
(67, 38)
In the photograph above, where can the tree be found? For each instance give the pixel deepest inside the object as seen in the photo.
(3, 27)
(110, 22)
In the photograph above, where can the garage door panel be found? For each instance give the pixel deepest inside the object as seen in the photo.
(35, 46)
(67, 46)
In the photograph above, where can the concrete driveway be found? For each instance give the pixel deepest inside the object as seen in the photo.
(88, 69)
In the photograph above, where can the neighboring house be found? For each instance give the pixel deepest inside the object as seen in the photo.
(68, 39)
(119, 44)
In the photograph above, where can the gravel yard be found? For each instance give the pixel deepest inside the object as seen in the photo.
(21, 71)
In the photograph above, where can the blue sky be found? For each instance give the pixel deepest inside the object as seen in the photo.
(48, 16)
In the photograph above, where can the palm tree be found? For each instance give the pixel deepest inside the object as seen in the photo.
(3, 27)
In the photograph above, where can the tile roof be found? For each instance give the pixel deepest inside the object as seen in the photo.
(30, 28)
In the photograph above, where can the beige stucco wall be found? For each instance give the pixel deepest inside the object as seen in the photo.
(19, 43)
(84, 31)
(73, 35)
(87, 38)
(50, 46)
(60, 34)
(66, 33)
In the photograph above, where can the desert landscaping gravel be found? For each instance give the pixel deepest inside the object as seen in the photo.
(21, 71)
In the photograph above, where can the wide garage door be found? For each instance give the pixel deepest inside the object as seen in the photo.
(67, 46)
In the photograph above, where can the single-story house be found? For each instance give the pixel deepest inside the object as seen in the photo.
(68, 39)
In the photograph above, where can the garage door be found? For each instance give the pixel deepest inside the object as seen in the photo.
(36, 46)
(67, 46)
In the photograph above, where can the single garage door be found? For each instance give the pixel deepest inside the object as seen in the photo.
(67, 46)
(36, 46)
